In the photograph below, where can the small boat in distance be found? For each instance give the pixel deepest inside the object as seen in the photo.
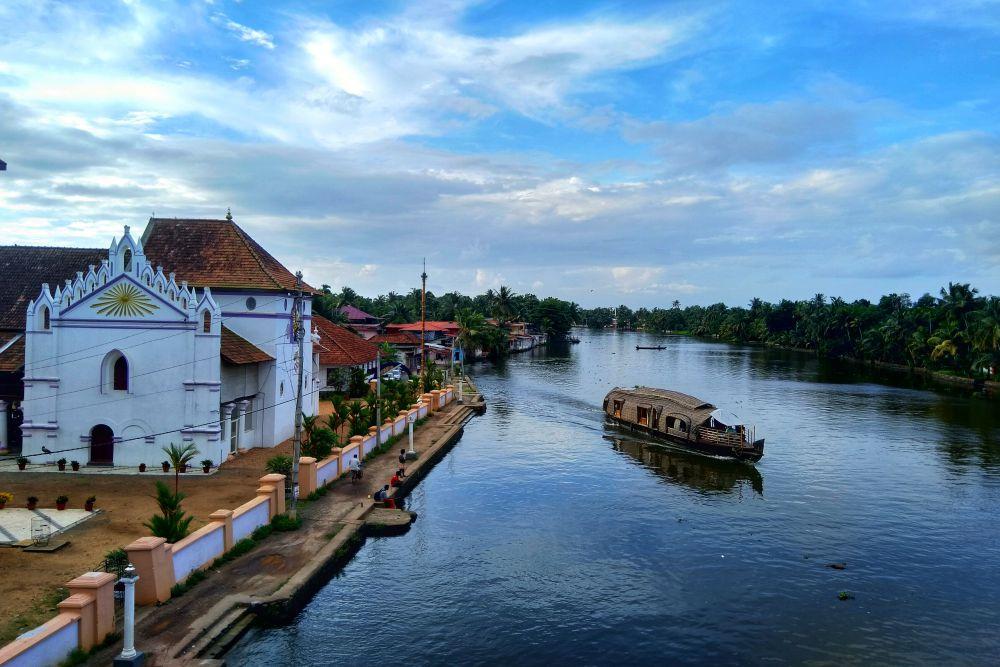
(650, 347)
(682, 420)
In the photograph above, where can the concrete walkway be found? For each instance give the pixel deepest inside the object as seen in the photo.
(283, 566)
(15, 522)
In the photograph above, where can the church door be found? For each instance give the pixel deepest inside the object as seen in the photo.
(102, 446)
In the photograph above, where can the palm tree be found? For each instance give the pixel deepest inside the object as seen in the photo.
(178, 457)
(309, 425)
(470, 329)
(503, 305)
(358, 418)
(339, 412)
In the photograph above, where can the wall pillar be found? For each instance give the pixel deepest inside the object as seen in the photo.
(100, 587)
(81, 607)
(268, 491)
(225, 517)
(435, 395)
(4, 444)
(307, 475)
(278, 482)
(154, 564)
(227, 416)
(244, 442)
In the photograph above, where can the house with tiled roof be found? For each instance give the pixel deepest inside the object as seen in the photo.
(339, 350)
(366, 325)
(184, 335)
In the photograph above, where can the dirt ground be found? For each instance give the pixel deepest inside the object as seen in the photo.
(30, 583)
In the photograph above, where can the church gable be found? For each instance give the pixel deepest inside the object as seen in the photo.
(125, 287)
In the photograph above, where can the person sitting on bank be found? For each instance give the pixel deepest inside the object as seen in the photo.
(395, 481)
(382, 496)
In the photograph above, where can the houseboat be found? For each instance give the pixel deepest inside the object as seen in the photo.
(682, 420)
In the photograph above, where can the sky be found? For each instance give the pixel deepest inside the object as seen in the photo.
(626, 152)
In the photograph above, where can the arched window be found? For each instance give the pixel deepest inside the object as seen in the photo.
(120, 374)
(127, 263)
(206, 322)
(147, 280)
(184, 304)
(46, 323)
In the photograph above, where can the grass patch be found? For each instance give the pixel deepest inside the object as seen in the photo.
(193, 580)
(333, 532)
(284, 523)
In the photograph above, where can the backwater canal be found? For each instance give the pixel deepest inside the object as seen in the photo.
(540, 540)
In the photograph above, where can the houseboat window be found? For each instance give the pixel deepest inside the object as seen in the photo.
(618, 408)
(642, 416)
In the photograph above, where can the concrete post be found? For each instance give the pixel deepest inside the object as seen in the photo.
(435, 400)
(411, 419)
(307, 475)
(100, 587)
(278, 482)
(4, 446)
(241, 426)
(81, 607)
(129, 656)
(268, 491)
(154, 564)
(227, 422)
(225, 517)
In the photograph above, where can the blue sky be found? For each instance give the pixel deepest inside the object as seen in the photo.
(602, 152)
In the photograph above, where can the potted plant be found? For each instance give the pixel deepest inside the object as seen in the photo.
(183, 467)
(32, 502)
(62, 464)
(22, 462)
(206, 465)
(75, 465)
(89, 503)
(5, 497)
(166, 466)
(142, 467)
(61, 502)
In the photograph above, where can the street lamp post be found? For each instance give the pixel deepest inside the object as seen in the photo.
(410, 418)
(129, 657)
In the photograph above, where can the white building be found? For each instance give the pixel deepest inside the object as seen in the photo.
(184, 336)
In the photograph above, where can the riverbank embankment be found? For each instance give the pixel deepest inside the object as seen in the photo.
(279, 577)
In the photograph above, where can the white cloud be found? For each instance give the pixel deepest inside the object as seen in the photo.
(245, 33)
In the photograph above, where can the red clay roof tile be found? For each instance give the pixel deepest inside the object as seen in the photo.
(339, 347)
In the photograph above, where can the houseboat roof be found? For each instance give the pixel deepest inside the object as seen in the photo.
(697, 409)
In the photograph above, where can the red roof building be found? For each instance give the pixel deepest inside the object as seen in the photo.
(338, 347)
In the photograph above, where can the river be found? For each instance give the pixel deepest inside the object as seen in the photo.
(542, 540)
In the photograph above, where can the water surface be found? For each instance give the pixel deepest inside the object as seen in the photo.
(545, 537)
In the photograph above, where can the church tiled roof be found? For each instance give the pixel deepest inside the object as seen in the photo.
(23, 269)
(236, 349)
(339, 347)
(214, 253)
(11, 353)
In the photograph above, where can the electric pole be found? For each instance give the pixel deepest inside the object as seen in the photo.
(423, 329)
(378, 397)
(299, 330)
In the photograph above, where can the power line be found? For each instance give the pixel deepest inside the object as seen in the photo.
(127, 396)
(139, 333)
(176, 430)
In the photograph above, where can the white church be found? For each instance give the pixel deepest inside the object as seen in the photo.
(184, 335)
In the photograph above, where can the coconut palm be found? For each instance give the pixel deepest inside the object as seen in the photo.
(178, 457)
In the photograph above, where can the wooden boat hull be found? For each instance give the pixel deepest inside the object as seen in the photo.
(750, 455)
(650, 347)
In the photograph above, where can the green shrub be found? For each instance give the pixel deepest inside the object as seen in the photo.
(170, 523)
(281, 465)
(261, 533)
(193, 580)
(321, 443)
(284, 523)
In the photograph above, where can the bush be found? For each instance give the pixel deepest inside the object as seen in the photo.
(170, 523)
(281, 465)
(284, 523)
(321, 443)
(261, 533)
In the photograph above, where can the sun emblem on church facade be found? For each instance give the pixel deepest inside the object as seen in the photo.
(124, 300)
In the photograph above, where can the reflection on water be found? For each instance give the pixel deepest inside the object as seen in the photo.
(540, 542)
(701, 473)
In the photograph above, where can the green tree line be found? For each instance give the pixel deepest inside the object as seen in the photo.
(957, 332)
(549, 315)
